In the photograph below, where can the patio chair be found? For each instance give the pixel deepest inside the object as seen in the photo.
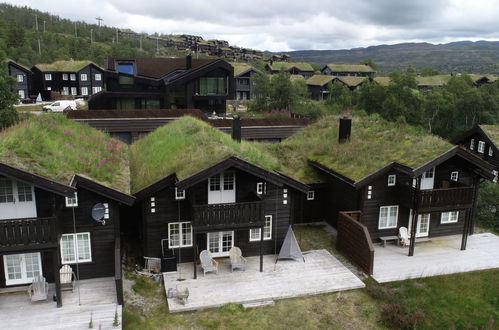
(404, 236)
(236, 259)
(38, 290)
(67, 277)
(207, 262)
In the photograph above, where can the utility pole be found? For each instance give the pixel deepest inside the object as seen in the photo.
(99, 20)
(36, 22)
(44, 26)
(91, 35)
(39, 48)
(76, 32)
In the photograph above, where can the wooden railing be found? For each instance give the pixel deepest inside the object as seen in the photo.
(228, 215)
(445, 197)
(354, 241)
(24, 232)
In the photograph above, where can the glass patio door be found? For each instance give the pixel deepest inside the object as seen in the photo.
(220, 243)
(422, 226)
(22, 268)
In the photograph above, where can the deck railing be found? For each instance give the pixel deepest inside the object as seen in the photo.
(434, 198)
(24, 232)
(228, 215)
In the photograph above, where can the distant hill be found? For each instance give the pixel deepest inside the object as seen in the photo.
(462, 56)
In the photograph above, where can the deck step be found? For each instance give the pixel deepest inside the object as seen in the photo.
(258, 304)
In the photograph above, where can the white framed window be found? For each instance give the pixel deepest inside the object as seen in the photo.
(21, 94)
(72, 76)
(83, 77)
(179, 234)
(449, 217)
(261, 188)
(65, 90)
(472, 144)
(98, 77)
(75, 248)
(369, 192)
(106, 211)
(84, 91)
(72, 201)
(310, 195)
(64, 76)
(74, 91)
(496, 175)
(392, 180)
(20, 78)
(254, 233)
(96, 90)
(388, 216)
(481, 147)
(491, 153)
(49, 88)
(454, 176)
(22, 268)
(179, 194)
(48, 76)
(153, 204)
(24, 192)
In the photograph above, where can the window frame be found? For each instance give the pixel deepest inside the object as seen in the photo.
(389, 208)
(261, 188)
(491, 152)
(83, 77)
(179, 194)
(448, 217)
(23, 269)
(65, 76)
(72, 201)
(481, 147)
(454, 176)
(180, 233)
(393, 182)
(74, 91)
(48, 76)
(267, 235)
(84, 91)
(472, 144)
(20, 78)
(98, 77)
(96, 89)
(72, 76)
(310, 195)
(75, 249)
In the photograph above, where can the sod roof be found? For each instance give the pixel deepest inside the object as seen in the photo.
(319, 79)
(350, 68)
(64, 66)
(241, 68)
(352, 81)
(383, 81)
(374, 143)
(437, 80)
(296, 77)
(288, 65)
(187, 146)
(492, 132)
(57, 148)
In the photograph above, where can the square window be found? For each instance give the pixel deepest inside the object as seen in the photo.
(449, 217)
(75, 248)
(454, 176)
(98, 77)
(254, 234)
(24, 192)
(179, 194)
(72, 201)
(261, 188)
(48, 76)
(83, 77)
(481, 147)
(310, 195)
(388, 216)
(20, 78)
(214, 183)
(179, 234)
(72, 76)
(392, 179)
(96, 90)
(64, 76)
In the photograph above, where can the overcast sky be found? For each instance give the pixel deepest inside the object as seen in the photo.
(282, 25)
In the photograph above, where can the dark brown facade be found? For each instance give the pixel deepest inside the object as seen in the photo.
(480, 144)
(23, 80)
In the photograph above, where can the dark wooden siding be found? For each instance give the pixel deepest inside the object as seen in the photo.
(494, 159)
(340, 196)
(306, 211)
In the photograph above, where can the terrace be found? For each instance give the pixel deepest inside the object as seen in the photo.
(19, 234)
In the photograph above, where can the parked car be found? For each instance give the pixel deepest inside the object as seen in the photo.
(60, 106)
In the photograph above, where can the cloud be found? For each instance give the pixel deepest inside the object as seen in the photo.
(281, 25)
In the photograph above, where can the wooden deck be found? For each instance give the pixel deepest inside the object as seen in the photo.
(440, 256)
(320, 273)
(98, 296)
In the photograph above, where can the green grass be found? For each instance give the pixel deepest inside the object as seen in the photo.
(492, 132)
(64, 66)
(288, 65)
(33, 107)
(57, 148)
(350, 68)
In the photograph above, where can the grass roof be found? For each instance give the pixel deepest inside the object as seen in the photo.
(335, 67)
(296, 77)
(490, 77)
(241, 67)
(288, 65)
(187, 146)
(383, 81)
(492, 132)
(438, 80)
(374, 143)
(319, 79)
(64, 66)
(352, 81)
(57, 148)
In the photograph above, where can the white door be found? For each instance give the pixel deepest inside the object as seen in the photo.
(22, 268)
(220, 243)
(17, 200)
(422, 226)
(222, 188)
(427, 179)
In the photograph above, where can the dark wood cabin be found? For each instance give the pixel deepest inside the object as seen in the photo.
(23, 80)
(243, 76)
(343, 70)
(233, 203)
(318, 86)
(293, 68)
(165, 83)
(42, 222)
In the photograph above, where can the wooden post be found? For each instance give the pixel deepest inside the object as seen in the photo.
(195, 253)
(261, 249)
(466, 228)
(57, 276)
(415, 206)
(476, 183)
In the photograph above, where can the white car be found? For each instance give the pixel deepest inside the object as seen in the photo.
(60, 106)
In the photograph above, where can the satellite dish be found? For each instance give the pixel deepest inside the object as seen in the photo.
(98, 212)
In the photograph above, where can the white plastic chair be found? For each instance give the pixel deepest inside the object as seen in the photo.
(39, 289)
(404, 236)
(207, 262)
(237, 261)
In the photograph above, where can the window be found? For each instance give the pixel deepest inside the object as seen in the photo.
(75, 248)
(83, 77)
(491, 153)
(22, 268)
(392, 179)
(388, 216)
(211, 86)
(24, 192)
(472, 144)
(49, 88)
(65, 90)
(267, 230)
(48, 76)
(84, 91)
(6, 191)
(449, 217)
(179, 234)
(229, 181)
(126, 68)
(215, 183)
(261, 188)
(72, 201)
(72, 76)
(74, 91)
(481, 147)
(310, 195)
(64, 76)
(96, 90)
(153, 204)
(454, 176)
(20, 78)
(179, 194)
(428, 174)
(496, 175)
(98, 77)
(21, 94)
(369, 192)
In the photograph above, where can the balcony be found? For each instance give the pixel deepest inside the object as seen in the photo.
(18, 234)
(435, 199)
(228, 216)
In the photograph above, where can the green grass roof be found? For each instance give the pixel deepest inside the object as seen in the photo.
(288, 65)
(383, 81)
(64, 66)
(57, 148)
(374, 143)
(319, 79)
(350, 68)
(187, 146)
(352, 80)
(295, 77)
(476, 77)
(438, 80)
(492, 132)
(241, 67)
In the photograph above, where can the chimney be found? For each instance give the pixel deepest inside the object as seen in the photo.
(236, 128)
(345, 129)
(188, 62)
